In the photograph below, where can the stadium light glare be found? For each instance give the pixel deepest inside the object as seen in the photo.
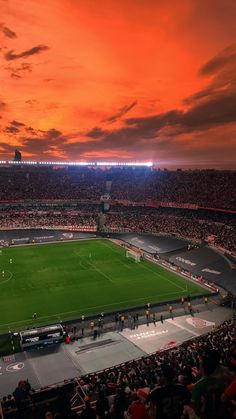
(78, 163)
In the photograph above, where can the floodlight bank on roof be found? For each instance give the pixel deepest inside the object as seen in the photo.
(75, 163)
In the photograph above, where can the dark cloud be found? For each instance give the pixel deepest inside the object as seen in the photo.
(53, 133)
(35, 142)
(36, 146)
(31, 130)
(159, 133)
(25, 133)
(16, 72)
(216, 103)
(202, 94)
(11, 130)
(25, 67)
(10, 55)
(122, 111)
(17, 123)
(216, 110)
(42, 142)
(113, 146)
(22, 67)
(15, 76)
(222, 69)
(211, 107)
(7, 32)
(177, 132)
(221, 60)
(148, 126)
(96, 132)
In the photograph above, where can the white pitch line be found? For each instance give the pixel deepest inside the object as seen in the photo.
(102, 273)
(111, 247)
(165, 279)
(8, 279)
(144, 266)
(182, 327)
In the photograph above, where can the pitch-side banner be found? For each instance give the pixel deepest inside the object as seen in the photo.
(73, 228)
(155, 204)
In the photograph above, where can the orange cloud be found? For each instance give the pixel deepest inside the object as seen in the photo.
(127, 79)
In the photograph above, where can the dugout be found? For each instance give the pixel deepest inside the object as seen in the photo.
(41, 337)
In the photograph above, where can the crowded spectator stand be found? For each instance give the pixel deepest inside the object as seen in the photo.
(191, 370)
(184, 203)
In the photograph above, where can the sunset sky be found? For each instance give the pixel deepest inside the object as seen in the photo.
(119, 79)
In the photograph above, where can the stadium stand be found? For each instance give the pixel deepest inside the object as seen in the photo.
(194, 377)
(204, 188)
(32, 221)
(195, 225)
(218, 228)
(197, 205)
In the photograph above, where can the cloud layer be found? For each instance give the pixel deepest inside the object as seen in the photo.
(7, 31)
(133, 81)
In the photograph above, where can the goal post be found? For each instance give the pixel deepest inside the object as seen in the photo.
(133, 255)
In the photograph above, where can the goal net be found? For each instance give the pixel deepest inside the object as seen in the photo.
(133, 255)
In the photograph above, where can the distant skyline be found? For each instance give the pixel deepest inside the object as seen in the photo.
(128, 80)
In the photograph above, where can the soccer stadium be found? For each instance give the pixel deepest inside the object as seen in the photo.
(118, 209)
(109, 276)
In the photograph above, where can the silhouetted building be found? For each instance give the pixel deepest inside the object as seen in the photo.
(17, 155)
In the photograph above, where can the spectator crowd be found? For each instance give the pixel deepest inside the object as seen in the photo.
(189, 380)
(215, 189)
(178, 383)
(220, 230)
(37, 221)
(197, 225)
(196, 379)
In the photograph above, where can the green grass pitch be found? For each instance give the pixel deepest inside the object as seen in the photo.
(62, 281)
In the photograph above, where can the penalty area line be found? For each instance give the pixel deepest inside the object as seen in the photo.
(101, 273)
(163, 277)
